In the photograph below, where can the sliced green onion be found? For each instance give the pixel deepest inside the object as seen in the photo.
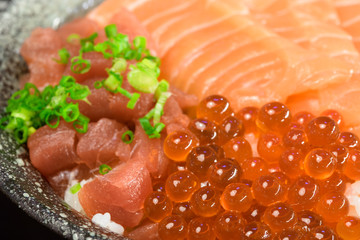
(31, 131)
(157, 129)
(79, 92)
(124, 92)
(113, 82)
(133, 100)
(32, 89)
(81, 124)
(72, 37)
(19, 95)
(52, 117)
(159, 106)
(142, 81)
(14, 123)
(70, 112)
(34, 103)
(104, 169)
(89, 39)
(47, 94)
(23, 114)
(111, 31)
(162, 87)
(146, 125)
(21, 134)
(4, 122)
(150, 114)
(104, 48)
(80, 65)
(75, 188)
(98, 84)
(127, 137)
(67, 82)
(87, 47)
(64, 56)
(154, 59)
(119, 65)
(139, 42)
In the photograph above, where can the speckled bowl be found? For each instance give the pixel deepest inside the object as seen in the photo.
(19, 180)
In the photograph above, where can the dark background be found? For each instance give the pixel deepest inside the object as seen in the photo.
(16, 224)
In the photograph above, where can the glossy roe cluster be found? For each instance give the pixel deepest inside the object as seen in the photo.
(260, 173)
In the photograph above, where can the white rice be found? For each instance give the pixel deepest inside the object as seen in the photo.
(104, 220)
(353, 195)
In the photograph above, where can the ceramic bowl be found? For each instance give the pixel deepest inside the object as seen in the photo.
(19, 180)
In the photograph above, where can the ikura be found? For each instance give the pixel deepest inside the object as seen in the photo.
(214, 108)
(178, 144)
(293, 189)
(275, 117)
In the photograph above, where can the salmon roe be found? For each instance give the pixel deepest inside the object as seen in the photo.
(172, 227)
(178, 144)
(257, 230)
(257, 174)
(275, 117)
(349, 228)
(322, 131)
(280, 216)
(248, 116)
(229, 225)
(237, 197)
(214, 108)
(200, 229)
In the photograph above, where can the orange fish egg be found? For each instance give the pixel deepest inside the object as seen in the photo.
(275, 117)
(181, 185)
(214, 108)
(177, 145)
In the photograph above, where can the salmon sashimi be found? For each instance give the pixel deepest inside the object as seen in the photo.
(250, 64)
(287, 19)
(323, 10)
(121, 192)
(348, 11)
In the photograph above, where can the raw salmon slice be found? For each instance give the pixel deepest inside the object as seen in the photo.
(323, 10)
(258, 67)
(348, 11)
(287, 18)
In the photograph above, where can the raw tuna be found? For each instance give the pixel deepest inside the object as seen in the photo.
(39, 50)
(121, 192)
(52, 150)
(102, 144)
(150, 152)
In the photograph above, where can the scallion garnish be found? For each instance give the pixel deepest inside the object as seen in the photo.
(80, 65)
(29, 109)
(104, 169)
(75, 188)
(133, 100)
(72, 37)
(127, 137)
(98, 84)
(64, 56)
